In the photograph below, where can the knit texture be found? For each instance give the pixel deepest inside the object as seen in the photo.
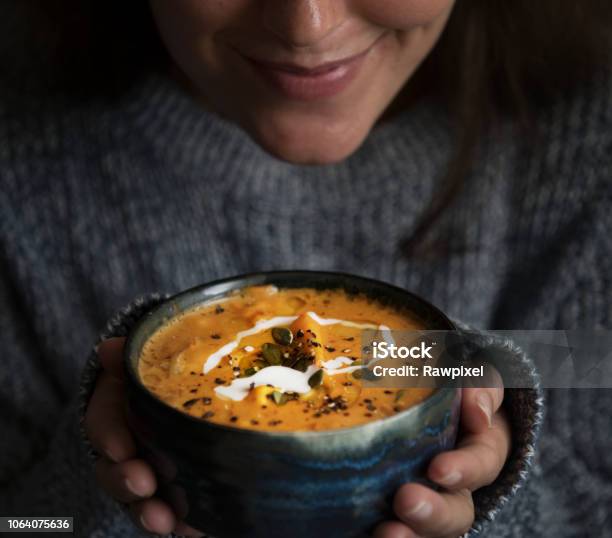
(106, 200)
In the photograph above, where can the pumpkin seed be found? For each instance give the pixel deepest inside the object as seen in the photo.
(358, 374)
(272, 354)
(399, 395)
(250, 371)
(282, 336)
(368, 375)
(316, 379)
(279, 398)
(302, 364)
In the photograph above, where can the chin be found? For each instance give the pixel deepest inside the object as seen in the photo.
(309, 142)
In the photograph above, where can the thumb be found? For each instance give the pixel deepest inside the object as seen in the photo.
(478, 405)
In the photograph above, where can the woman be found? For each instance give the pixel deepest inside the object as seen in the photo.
(458, 150)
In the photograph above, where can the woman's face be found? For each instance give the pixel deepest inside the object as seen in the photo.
(307, 79)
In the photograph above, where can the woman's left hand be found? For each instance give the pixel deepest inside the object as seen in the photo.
(483, 447)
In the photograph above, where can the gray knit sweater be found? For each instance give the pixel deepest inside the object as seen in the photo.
(108, 200)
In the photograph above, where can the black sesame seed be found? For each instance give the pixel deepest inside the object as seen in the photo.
(219, 381)
(233, 419)
(208, 414)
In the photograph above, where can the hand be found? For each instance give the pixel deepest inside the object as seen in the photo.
(120, 473)
(483, 447)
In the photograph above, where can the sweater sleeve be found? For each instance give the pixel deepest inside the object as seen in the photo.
(118, 325)
(525, 412)
(45, 466)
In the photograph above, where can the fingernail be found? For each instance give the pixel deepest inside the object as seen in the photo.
(132, 488)
(419, 512)
(110, 455)
(485, 403)
(143, 522)
(450, 479)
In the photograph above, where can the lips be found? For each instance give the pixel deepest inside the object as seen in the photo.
(310, 83)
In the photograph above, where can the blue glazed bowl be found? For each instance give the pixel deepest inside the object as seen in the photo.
(237, 483)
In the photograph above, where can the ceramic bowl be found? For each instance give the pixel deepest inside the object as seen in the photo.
(237, 483)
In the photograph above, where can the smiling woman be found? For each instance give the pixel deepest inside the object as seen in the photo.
(155, 144)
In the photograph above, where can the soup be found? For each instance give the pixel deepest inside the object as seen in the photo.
(275, 359)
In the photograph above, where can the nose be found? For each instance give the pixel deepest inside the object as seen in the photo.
(303, 23)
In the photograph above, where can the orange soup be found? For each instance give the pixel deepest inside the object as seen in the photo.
(275, 359)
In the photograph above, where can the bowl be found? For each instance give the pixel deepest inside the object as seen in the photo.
(235, 483)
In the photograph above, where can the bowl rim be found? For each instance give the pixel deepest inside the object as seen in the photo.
(134, 380)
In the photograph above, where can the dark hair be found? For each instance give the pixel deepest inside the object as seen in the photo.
(508, 59)
(496, 58)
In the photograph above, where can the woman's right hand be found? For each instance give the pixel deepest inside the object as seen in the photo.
(119, 471)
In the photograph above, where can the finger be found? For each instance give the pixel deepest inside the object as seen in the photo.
(394, 529)
(477, 460)
(478, 405)
(128, 481)
(110, 353)
(105, 422)
(430, 514)
(153, 515)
